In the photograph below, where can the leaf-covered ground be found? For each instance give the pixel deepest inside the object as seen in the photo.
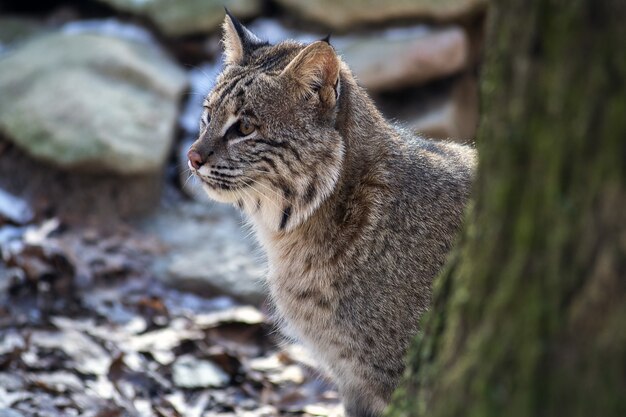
(84, 330)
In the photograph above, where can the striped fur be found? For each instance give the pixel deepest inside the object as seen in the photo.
(356, 215)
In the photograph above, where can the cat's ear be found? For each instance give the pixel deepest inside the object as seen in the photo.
(238, 41)
(316, 70)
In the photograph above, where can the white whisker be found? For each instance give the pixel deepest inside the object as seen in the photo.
(266, 197)
(269, 189)
(189, 177)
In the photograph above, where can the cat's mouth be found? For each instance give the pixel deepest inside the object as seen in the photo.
(218, 186)
(219, 190)
(218, 183)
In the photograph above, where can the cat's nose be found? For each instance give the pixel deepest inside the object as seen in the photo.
(195, 159)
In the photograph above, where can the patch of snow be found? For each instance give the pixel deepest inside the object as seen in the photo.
(14, 208)
(36, 235)
(109, 27)
(11, 240)
(201, 81)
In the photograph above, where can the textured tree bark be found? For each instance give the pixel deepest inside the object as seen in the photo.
(529, 317)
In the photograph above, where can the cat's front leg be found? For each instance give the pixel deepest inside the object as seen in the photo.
(359, 403)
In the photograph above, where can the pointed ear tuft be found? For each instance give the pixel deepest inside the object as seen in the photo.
(238, 41)
(326, 38)
(316, 70)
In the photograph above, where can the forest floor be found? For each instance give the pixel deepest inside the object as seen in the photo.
(85, 330)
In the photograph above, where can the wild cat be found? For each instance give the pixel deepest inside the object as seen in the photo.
(356, 215)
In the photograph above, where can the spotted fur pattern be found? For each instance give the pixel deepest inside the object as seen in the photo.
(356, 215)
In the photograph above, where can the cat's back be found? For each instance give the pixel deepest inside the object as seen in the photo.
(431, 180)
(429, 183)
(425, 162)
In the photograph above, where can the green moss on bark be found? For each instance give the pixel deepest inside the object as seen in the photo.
(529, 317)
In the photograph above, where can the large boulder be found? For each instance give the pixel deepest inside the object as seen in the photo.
(342, 15)
(208, 251)
(179, 18)
(93, 102)
(75, 197)
(16, 28)
(453, 118)
(445, 110)
(400, 58)
(388, 59)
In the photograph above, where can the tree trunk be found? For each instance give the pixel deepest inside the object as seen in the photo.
(529, 317)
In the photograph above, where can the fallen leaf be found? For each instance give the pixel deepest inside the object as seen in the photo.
(244, 315)
(87, 356)
(190, 372)
(59, 382)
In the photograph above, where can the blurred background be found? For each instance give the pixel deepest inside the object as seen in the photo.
(122, 288)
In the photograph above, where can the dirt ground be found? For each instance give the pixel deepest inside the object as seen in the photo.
(86, 330)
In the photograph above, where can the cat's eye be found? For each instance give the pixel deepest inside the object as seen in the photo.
(206, 116)
(245, 128)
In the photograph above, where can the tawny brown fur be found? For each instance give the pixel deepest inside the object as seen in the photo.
(356, 215)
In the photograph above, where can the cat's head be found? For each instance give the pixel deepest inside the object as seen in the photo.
(267, 139)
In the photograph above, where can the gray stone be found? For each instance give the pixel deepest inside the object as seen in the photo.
(383, 59)
(208, 251)
(17, 28)
(402, 58)
(92, 102)
(448, 111)
(455, 118)
(178, 18)
(342, 15)
(76, 198)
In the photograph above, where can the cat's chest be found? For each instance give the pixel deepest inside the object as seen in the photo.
(298, 290)
(304, 294)
(302, 283)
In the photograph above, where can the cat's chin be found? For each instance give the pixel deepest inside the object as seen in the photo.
(220, 196)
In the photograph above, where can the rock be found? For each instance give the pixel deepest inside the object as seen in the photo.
(190, 372)
(383, 60)
(342, 15)
(76, 198)
(16, 28)
(395, 59)
(179, 18)
(109, 27)
(208, 252)
(456, 118)
(97, 103)
(440, 112)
